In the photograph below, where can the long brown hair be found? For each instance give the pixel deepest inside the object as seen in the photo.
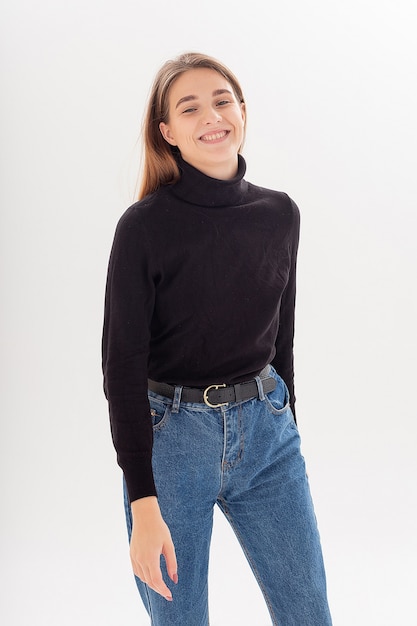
(159, 165)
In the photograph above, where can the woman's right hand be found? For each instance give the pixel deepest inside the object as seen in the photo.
(151, 538)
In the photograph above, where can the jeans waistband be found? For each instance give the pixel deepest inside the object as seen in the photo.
(218, 395)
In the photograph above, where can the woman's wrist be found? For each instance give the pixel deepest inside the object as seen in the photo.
(144, 506)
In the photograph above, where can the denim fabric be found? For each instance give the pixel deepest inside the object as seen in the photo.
(244, 457)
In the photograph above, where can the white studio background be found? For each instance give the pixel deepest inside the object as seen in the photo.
(332, 100)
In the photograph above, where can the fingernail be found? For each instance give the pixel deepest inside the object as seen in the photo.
(168, 598)
(175, 578)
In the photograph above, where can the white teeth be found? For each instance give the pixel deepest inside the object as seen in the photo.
(214, 136)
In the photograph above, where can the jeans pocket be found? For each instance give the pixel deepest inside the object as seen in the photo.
(278, 400)
(160, 413)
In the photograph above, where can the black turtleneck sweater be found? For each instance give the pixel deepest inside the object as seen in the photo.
(200, 290)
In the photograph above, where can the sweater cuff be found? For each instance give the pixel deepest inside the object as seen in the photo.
(139, 480)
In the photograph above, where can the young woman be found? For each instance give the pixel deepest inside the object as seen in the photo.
(198, 360)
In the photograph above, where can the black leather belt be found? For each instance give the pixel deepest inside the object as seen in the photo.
(217, 395)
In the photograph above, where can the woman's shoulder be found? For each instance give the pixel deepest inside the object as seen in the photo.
(275, 200)
(138, 213)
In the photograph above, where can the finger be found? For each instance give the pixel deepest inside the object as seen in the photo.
(155, 581)
(171, 562)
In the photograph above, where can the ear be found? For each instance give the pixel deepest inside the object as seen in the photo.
(243, 111)
(166, 133)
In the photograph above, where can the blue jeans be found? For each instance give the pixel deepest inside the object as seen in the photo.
(245, 457)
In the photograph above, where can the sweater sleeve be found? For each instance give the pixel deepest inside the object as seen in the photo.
(283, 361)
(129, 304)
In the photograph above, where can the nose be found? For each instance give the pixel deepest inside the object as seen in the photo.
(210, 115)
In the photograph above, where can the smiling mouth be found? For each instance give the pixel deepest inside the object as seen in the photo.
(215, 136)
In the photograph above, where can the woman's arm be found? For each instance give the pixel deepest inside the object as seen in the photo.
(128, 312)
(151, 538)
(284, 345)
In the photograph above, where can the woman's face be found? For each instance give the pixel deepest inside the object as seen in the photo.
(206, 122)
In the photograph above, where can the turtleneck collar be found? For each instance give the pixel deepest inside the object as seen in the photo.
(198, 188)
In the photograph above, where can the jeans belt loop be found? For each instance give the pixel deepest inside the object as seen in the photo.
(259, 384)
(177, 399)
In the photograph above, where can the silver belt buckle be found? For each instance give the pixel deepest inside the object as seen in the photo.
(205, 396)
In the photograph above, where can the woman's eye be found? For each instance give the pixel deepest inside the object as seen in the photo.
(223, 102)
(190, 110)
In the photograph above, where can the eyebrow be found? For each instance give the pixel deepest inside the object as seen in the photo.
(217, 92)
